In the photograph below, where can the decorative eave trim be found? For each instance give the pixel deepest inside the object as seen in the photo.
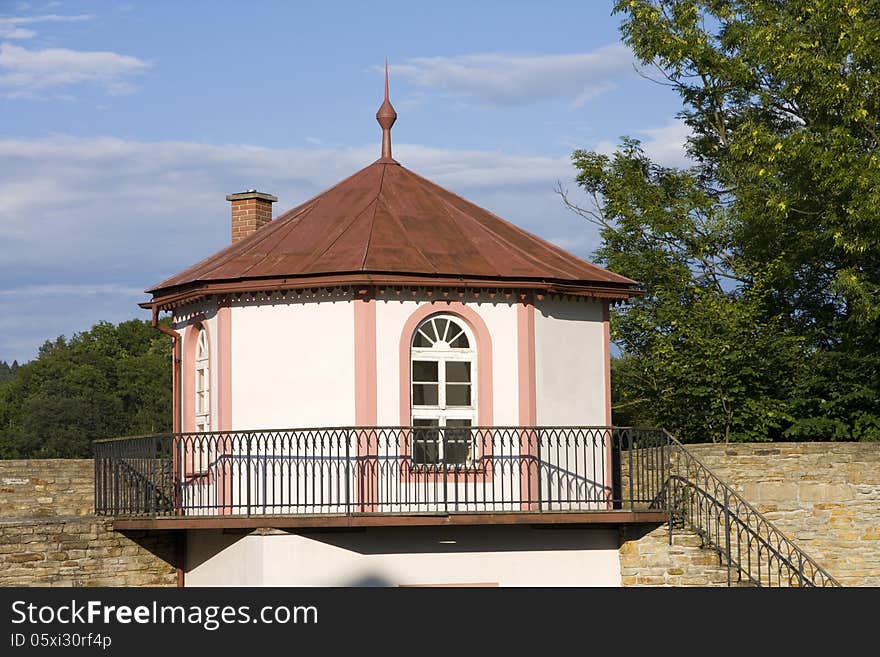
(442, 288)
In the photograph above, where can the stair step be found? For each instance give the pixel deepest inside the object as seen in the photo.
(687, 540)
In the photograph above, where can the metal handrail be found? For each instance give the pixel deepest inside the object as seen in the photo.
(150, 490)
(746, 531)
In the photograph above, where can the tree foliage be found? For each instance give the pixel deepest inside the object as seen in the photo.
(112, 380)
(7, 371)
(761, 262)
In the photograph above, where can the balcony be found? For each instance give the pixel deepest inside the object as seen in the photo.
(367, 476)
(402, 476)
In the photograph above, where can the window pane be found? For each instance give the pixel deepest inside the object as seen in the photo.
(428, 329)
(458, 394)
(461, 342)
(425, 394)
(458, 452)
(426, 441)
(458, 372)
(425, 452)
(425, 370)
(441, 325)
(458, 446)
(421, 341)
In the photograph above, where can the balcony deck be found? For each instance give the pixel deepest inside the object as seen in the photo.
(609, 517)
(357, 477)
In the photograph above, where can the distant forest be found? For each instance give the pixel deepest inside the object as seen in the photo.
(112, 380)
(7, 370)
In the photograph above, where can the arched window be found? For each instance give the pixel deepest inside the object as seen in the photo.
(203, 383)
(443, 371)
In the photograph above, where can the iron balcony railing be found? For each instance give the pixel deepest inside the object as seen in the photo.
(411, 470)
(353, 470)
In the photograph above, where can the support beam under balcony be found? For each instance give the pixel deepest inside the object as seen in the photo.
(605, 518)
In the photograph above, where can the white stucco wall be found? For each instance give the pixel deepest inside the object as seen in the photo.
(395, 556)
(293, 364)
(293, 361)
(569, 363)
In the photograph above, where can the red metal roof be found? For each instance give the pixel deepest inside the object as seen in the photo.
(387, 224)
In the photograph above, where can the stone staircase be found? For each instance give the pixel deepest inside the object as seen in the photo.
(647, 559)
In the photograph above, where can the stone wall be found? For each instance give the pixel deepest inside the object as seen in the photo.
(39, 488)
(824, 496)
(647, 559)
(49, 537)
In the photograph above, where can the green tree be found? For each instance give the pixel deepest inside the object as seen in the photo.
(7, 371)
(109, 381)
(761, 262)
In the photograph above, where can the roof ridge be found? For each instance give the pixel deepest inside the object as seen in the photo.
(558, 251)
(406, 236)
(317, 256)
(446, 208)
(495, 236)
(373, 218)
(225, 254)
(272, 226)
(319, 195)
(291, 224)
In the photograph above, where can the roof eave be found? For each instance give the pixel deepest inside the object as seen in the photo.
(179, 295)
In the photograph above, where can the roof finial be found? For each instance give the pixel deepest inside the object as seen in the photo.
(386, 116)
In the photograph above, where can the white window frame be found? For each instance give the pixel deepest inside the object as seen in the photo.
(441, 353)
(202, 400)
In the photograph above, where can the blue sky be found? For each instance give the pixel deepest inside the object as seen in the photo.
(124, 125)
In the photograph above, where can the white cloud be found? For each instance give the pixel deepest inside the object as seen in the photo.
(509, 79)
(13, 32)
(470, 170)
(25, 72)
(11, 26)
(87, 223)
(60, 289)
(664, 145)
(32, 315)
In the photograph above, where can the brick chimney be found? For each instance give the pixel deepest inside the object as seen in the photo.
(251, 210)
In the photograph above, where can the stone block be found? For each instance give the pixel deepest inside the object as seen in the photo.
(839, 492)
(811, 492)
(776, 492)
(750, 491)
(24, 557)
(687, 540)
(694, 580)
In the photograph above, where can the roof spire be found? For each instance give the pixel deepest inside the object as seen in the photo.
(386, 116)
